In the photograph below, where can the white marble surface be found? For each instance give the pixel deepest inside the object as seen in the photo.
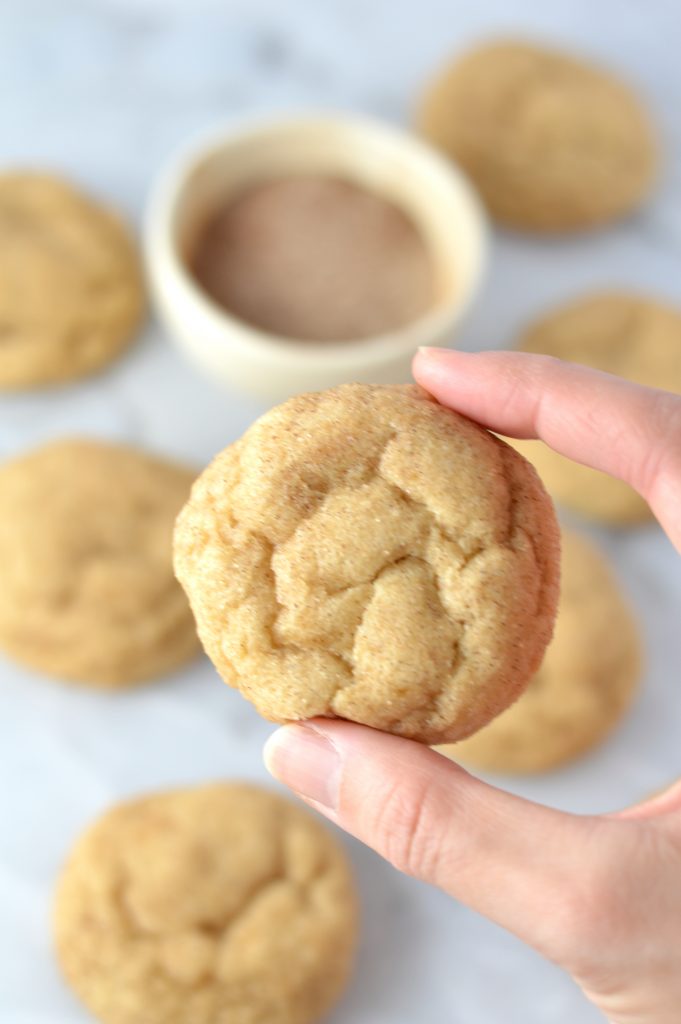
(103, 89)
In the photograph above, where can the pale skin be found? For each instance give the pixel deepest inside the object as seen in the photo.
(598, 895)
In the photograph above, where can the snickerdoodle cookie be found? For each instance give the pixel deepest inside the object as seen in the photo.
(552, 143)
(584, 685)
(364, 552)
(71, 293)
(628, 335)
(87, 591)
(223, 904)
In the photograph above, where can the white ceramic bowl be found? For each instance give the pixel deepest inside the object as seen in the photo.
(392, 163)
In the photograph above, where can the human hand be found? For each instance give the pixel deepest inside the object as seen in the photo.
(598, 895)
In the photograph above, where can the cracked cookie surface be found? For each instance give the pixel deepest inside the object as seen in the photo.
(585, 684)
(71, 290)
(632, 336)
(365, 553)
(552, 143)
(222, 904)
(88, 592)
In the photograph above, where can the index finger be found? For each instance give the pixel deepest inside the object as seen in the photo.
(620, 428)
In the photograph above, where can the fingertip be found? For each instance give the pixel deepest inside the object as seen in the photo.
(420, 363)
(306, 760)
(270, 750)
(439, 369)
(428, 358)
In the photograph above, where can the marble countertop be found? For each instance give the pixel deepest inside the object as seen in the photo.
(104, 90)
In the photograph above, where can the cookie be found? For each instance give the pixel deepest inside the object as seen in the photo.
(585, 684)
(87, 590)
(628, 335)
(552, 143)
(365, 553)
(71, 292)
(222, 904)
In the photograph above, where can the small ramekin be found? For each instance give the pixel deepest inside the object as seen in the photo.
(392, 163)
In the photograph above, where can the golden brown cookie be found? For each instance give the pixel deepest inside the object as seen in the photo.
(628, 335)
(586, 681)
(552, 143)
(86, 582)
(364, 552)
(71, 292)
(223, 904)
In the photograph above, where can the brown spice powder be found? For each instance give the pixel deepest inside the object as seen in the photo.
(315, 259)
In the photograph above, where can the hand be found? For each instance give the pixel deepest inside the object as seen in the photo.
(600, 896)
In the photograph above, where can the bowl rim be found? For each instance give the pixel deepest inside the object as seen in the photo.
(162, 257)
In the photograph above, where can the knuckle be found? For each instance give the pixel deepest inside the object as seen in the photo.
(408, 830)
(663, 437)
(543, 371)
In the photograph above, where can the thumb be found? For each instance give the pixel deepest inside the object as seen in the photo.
(520, 864)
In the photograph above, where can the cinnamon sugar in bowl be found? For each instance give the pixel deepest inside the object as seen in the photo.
(293, 255)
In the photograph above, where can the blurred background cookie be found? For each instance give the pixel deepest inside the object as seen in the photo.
(552, 143)
(219, 903)
(71, 292)
(87, 591)
(629, 335)
(366, 553)
(585, 684)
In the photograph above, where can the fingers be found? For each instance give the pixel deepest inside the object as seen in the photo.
(631, 432)
(507, 858)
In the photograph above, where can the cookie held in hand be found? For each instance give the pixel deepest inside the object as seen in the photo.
(586, 682)
(365, 553)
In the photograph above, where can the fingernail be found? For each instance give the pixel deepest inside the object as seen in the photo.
(436, 351)
(433, 359)
(304, 758)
